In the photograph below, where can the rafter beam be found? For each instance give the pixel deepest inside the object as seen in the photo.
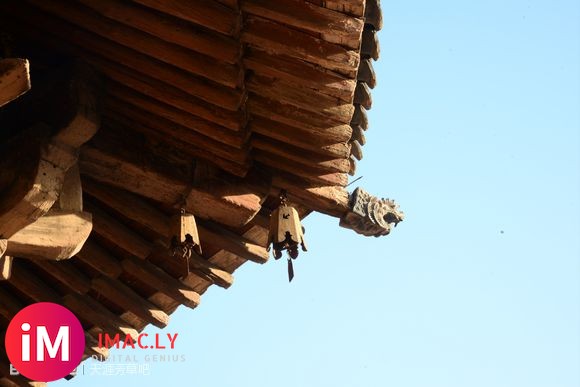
(136, 209)
(231, 204)
(37, 182)
(133, 244)
(14, 79)
(57, 235)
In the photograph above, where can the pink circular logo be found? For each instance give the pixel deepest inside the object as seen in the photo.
(45, 342)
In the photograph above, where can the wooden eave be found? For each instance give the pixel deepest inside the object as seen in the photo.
(212, 105)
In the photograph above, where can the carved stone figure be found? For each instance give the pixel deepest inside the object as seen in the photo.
(369, 215)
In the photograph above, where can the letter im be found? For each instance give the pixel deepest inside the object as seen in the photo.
(61, 342)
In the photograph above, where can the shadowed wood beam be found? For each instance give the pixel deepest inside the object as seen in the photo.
(206, 13)
(301, 159)
(71, 194)
(370, 45)
(5, 261)
(14, 79)
(373, 14)
(6, 382)
(279, 39)
(136, 119)
(222, 73)
(105, 54)
(57, 235)
(39, 291)
(358, 135)
(329, 200)
(162, 282)
(362, 95)
(178, 139)
(37, 187)
(5, 267)
(300, 73)
(366, 73)
(102, 261)
(132, 243)
(134, 208)
(334, 27)
(74, 280)
(99, 259)
(328, 145)
(303, 98)
(202, 126)
(299, 118)
(168, 28)
(91, 310)
(356, 150)
(198, 265)
(231, 204)
(351, 7)
(319, 176)
(352, 170)
(126, 298)
(360, 118)
(175, 97)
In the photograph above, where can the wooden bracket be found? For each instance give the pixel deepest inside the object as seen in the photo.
(5, 261)
(41, 202)
(14, 79)
(57, 235)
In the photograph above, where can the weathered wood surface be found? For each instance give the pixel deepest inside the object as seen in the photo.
(335, 27)
(373, 14)
(226, 118)
(41, 178)
(149, 45)
(289, 93)
(330, 143)
(126, 298)
(84, 306)
(134, 208)
(133, 244)
(351, 7)
(71, 194)
(160, 131)
(366, 73)
(329, 200)
(279, 39)
(5, 261)
(169, 28)
(233, 205)
(14, 79)
(298, 72)
(206, 13)
(179, 116)
(56, 235)
(105, 53)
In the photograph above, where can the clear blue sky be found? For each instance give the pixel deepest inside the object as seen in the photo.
(475, 129)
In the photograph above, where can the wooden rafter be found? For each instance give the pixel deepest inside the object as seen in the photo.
(233, 205)
(14, 79)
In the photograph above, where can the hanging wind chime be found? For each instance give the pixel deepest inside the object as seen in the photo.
(286, 233)
(185, 238)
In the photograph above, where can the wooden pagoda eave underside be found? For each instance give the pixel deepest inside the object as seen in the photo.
(274, 94)
(286, 70)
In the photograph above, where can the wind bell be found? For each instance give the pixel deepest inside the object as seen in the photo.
(185, 238)
(286, 233)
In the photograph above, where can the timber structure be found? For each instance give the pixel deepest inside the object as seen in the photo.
(117, 114)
